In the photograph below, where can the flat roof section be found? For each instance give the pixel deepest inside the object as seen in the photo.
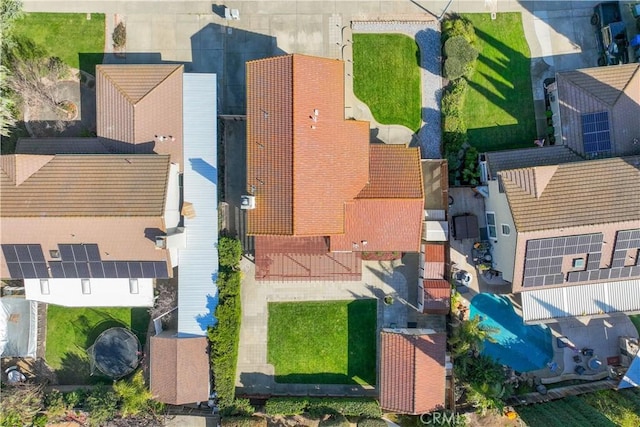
(198, 263)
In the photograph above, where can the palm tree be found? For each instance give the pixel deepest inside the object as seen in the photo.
(470, 335)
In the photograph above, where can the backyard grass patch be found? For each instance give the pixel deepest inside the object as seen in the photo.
(331, 342)
(386, 77)
(70, 331)
(498, 110)
(78, 41)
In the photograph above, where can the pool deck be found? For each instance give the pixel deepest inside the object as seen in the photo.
(599, 334)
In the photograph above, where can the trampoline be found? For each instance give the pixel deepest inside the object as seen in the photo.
(115, 353)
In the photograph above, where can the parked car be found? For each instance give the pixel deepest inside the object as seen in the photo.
(611, 34)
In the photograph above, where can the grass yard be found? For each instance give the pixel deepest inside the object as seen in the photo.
(79, 42)
(331, 342)
(70, 331)
(498, 110)
(386, 77)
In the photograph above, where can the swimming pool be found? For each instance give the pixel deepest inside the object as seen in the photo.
(522, 347)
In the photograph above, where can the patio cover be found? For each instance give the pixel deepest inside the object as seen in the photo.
(18, 327)
(466, 227)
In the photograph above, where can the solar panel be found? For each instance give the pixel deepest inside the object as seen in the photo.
(41, 270)
(122, 269)
(135, 270)
(96, 270)
(69, 270)
(36, 253)
(56, 269)
(79, 252)
(83, 270)
(148, 269)
(14, 270)
(66, 253)
(23, 253)
(93, 253)
(161, 270)
(595, 133)
(109, 269)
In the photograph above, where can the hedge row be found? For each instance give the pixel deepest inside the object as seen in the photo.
(225, 335)
(318, 406)
(458, 37)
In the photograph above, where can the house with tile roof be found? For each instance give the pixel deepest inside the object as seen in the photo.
(319, 187)
(412, 370)
(567, 236)
(95, 221)
(596, 110)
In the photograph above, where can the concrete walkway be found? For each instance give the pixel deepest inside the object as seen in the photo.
(255, 375)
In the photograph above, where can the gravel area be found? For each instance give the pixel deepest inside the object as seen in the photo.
(427, 35)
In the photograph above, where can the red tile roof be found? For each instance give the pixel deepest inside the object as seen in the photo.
(302, 155)
(412, 372)
(395, 171)
(303, 258)
(179, 369)
(384, 224)
(434, 252)
(437, 296)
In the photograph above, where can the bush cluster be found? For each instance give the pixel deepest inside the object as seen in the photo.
(318, 406)
(335, 421)
(458, 37)
(224, 336)
(119, 35)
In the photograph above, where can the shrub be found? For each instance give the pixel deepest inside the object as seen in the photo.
(55, 404)
(133, 394)
(243, 422)
(352, 407)
(238, 408)
(458, 26)
(40, 420)
(453, 124)
(286, 406)
(335, 421)
(471, 172)
(119, 35)
(20, 404)
(224, 338)
(102, 405)
(454, 97)
(229, 251)
(459, 47)
(371, 422)
(454, 68)
(74, 398)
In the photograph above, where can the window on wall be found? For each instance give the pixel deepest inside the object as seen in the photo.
(491, 225)
(506, 230)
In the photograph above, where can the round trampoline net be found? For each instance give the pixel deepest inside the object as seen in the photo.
(115, 353)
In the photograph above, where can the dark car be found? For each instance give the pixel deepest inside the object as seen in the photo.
(611, 34)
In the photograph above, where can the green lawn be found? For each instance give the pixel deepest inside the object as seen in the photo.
(330, 342)
(70, 331)
(77, 41)
(386, 76)
(498, 110)
(636, 321)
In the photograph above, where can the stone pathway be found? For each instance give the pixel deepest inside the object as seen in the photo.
(255, 374)
(427, 36)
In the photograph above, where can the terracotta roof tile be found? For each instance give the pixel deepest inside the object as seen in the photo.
(437, 296)
(574, 194)
(434, 252)
(394, 172)
(302, 155)
(136, 103)
(303, 258)
(179, 369)
(412, 372)
(84, 185)
(384, 224)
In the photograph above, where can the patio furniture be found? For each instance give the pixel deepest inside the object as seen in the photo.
(577, 358)
(553, 366)
(579, 369)
(588, 352)
(463, 277)
(594, 363)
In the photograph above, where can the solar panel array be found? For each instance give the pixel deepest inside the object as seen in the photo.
(25, 261)
(544, 257)
(77, 261)
(596, 137)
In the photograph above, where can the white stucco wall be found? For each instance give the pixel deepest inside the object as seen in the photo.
(505, 248)
(103, 293)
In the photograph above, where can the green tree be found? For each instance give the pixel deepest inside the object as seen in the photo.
(10, 10)
(486, 397)
(459, 47)
(134, 395)
(229, 251)
(470, 335)
(7, 105)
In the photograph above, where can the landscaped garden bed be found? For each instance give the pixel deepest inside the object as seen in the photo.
(70, 331)
(332, 342)
(386, 77)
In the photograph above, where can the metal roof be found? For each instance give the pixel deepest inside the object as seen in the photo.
(197, 290)
(583, 300)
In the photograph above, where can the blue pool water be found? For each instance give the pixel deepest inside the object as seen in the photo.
(522, 347)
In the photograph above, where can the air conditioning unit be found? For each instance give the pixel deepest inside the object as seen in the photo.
(247, 202)
(161, 242)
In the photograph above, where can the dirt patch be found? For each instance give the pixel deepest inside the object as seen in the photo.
(381, 256)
